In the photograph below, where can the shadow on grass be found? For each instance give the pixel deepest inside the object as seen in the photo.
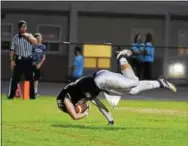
(89, 127)
(110, 128)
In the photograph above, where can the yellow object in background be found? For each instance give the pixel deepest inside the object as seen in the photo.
(104, 63)
(90, 63)
(97, 56)
(97, 50)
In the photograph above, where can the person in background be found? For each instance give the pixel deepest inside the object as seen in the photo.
(138, 57)
(21, 59)
(78, 64)
(38, 59)
(149, 57)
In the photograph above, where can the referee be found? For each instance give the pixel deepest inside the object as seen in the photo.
(21, 59)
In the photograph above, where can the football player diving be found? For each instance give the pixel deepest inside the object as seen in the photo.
(88, 88)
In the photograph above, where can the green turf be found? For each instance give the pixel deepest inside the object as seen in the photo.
(40, 123)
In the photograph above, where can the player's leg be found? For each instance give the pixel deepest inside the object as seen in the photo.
(113, 81)
(142, 85)
(103, 110)
(126, 68)
(148, 85)
(36, 80)
(107, 80)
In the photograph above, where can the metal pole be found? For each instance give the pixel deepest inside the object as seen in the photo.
(167, 31)
(118, 45)
(72, 35)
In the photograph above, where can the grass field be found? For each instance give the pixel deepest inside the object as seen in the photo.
(137, 123)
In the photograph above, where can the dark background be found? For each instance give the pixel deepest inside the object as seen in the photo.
(114, 22)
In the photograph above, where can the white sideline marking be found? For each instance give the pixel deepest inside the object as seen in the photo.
(154, 111)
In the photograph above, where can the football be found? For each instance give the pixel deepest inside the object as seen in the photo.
(81, 107)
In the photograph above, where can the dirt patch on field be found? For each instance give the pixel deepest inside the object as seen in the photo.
(154, 111)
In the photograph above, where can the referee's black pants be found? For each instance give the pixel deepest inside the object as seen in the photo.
(23, 65)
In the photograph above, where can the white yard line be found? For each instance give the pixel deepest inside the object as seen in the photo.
(154, 111)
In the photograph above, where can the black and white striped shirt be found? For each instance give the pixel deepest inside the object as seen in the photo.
(21, 46)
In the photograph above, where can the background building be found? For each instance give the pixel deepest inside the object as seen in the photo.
(98, 22)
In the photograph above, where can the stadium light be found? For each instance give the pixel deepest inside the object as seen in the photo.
(176, 70)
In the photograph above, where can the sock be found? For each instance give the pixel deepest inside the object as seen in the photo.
(127, 70)
(107, 115)
(36, 90)
(145, 85)
(102, 109)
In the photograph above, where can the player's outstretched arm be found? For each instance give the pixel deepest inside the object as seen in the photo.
(71, 110)
(103, 110)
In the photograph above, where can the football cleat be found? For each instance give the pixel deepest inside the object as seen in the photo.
(124, 52)
(110, 123)
(166, 84)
